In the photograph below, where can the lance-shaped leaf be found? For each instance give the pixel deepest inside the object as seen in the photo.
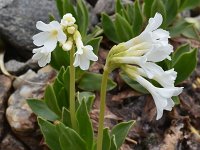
(66, 118)
(40, 108)
(51, 100)
(50, 133)
(172, 7)
(120, 132)
(186, 4)
(85, 125)
(109, 26)
(185, 65)
(96, 82)
(70, 139)
(106, 139)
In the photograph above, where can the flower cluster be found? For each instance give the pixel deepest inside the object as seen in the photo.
(138, 57)
(67, 35)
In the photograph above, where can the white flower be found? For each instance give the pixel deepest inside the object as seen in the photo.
(162, 96)
(156, 40)
(84, 53)
(42, 55)
(68, 20)
(52, 33)
(68, 45)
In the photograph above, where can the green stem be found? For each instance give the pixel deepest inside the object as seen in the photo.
(72, 90)
(102, 109)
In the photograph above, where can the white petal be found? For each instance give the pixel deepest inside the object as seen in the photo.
(169, 92)
(61, 36)
(51, 43)
(161, 34)
(170, 104)
(159, 53)
(77, 60)
(43, 26)
(89, 53)
(167, 78)
(37, 56)
(84, 63)
(40, 38)
(55, 25)
(154, 22)
(151, 69)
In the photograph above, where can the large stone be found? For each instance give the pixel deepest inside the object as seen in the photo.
(5, 86)
(19, 115)
(18, 19)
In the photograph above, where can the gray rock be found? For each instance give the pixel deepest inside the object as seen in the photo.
(15, 67)
(5, 86)
(19, 115)
(30, 85)
(18, 19)
(107, 6)
(10, 143)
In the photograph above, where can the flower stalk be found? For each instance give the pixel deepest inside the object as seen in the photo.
(102, 108)
(72, 90)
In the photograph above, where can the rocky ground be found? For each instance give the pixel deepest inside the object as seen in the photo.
(178, 129)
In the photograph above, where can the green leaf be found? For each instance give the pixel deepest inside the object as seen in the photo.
(120, 131)
(82, 17)
(108, 26)
(180, 51)
(96, 82)
(172, 7)
(85, 125)
(59, 4)
(69, 8)
(148, 7)
(66, 118)
(178, 28)
(188, 4)
(123, 28)
(159, 7)
(191, 32)
(137, 19)
(106, 139)
(176, 100)
(88, 97)
(95, 42)
(41, 109)
(118, 6)
(50, 134)
(50, 100)
(69, 139)
(113, 144)
(185, 65)
(133, 84)
(59, 58)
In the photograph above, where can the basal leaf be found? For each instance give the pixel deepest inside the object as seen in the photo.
(59, 4)
(172, 7)
(123, 28)
(133, 84)
(41, 109)
(85, 125)
(50, 134)
(185, 65)
(106, 139)
(66, 118)
(137, 19)
(96, 82)
(120, 132)
(51, 100)
(108, 26)
(70, 139)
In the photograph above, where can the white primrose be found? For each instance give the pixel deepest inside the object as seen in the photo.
(50, 35)
(68, 20)
(162, 96)
(83, 54)
(140, 55)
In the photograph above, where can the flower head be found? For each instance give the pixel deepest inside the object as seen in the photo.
(42, 55)
(68, 20)
(84, 53)
(50, 35)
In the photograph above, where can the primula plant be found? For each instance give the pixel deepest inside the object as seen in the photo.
(144, 57)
